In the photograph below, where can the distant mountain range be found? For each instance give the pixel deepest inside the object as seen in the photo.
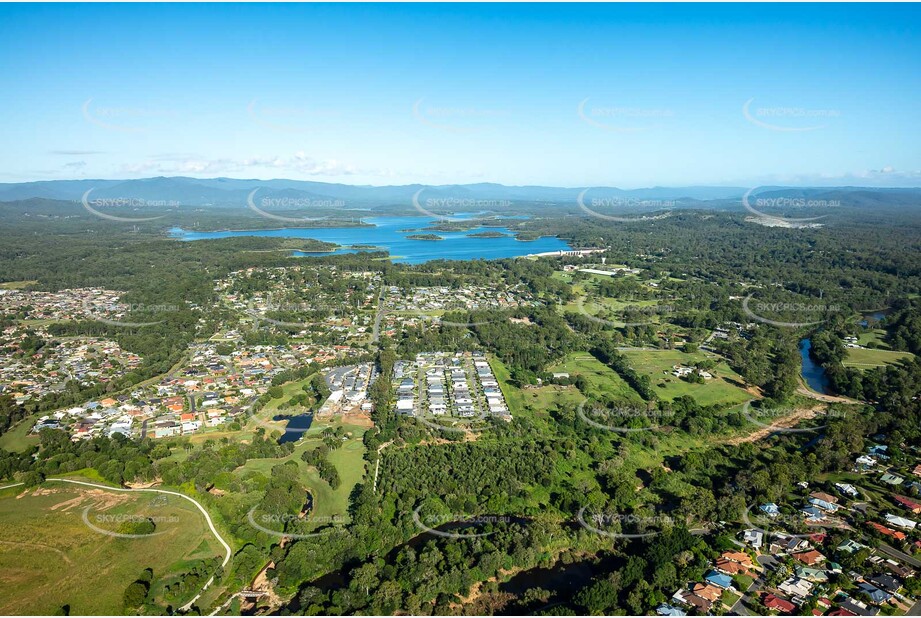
(229, 192)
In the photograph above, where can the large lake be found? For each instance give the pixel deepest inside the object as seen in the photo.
(390, 233)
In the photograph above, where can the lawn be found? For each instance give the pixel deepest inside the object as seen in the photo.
(50, 558)
(726, 387)
(875, 336)
(869, 358)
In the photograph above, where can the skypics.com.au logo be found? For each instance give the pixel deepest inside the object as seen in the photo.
(788, 119)
(787, 203)
(772, 418)
(462, 428)
(757, 310)
(621, 119)
(622, 419)
(462, 520)
(634, 315)
(623, 203)
(454, 205)
(127, 526)
(123, 119)
(269, 524)
(613, 525)
(290, 203)
(104, 313)
(315, 313)
(456, 119)
(97, 206)
(756, 518)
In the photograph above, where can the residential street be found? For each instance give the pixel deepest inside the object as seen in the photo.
(740, 607)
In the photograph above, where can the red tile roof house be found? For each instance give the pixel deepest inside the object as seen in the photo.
(707, 591)
(818, 538)
(810, 557)
(738, 556)
(840, 612)
(917, 470)
(895, 534)
(771, 601)
(731, 568)
(908, 503)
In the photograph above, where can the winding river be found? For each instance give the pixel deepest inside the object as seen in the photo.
(813, 373)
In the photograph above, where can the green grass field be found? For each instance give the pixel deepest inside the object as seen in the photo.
(16, 285)
(602, 378)
(869, 358)
(875, 336)
(348, 459)
(18, 439)
(534, 401)
(726, 387)
(50, 558)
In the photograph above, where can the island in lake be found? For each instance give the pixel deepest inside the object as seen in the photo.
(424, 237)
(487, 235)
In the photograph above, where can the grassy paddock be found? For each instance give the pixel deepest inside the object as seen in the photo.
(869, 358)
(724, 388)
(50, 558)
(18, 439)
(602, 378)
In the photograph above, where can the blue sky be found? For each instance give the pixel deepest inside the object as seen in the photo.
(569, 95)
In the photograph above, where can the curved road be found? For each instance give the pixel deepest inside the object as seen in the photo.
(217, 535)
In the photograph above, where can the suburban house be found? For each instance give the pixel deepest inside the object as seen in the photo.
(847, 489)
(908, 503)
(770, 509)
(828, 507)
(796, 587)
(755, 538)
(876, 595)
(810, 557)
(707, 591)
(850, 546)
(772, 601)
(719, 579)
(887, 583)
(895, 534)
(858, 608)
(892, 479)
(900, 522)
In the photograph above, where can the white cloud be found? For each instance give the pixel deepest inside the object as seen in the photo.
(299, 163)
